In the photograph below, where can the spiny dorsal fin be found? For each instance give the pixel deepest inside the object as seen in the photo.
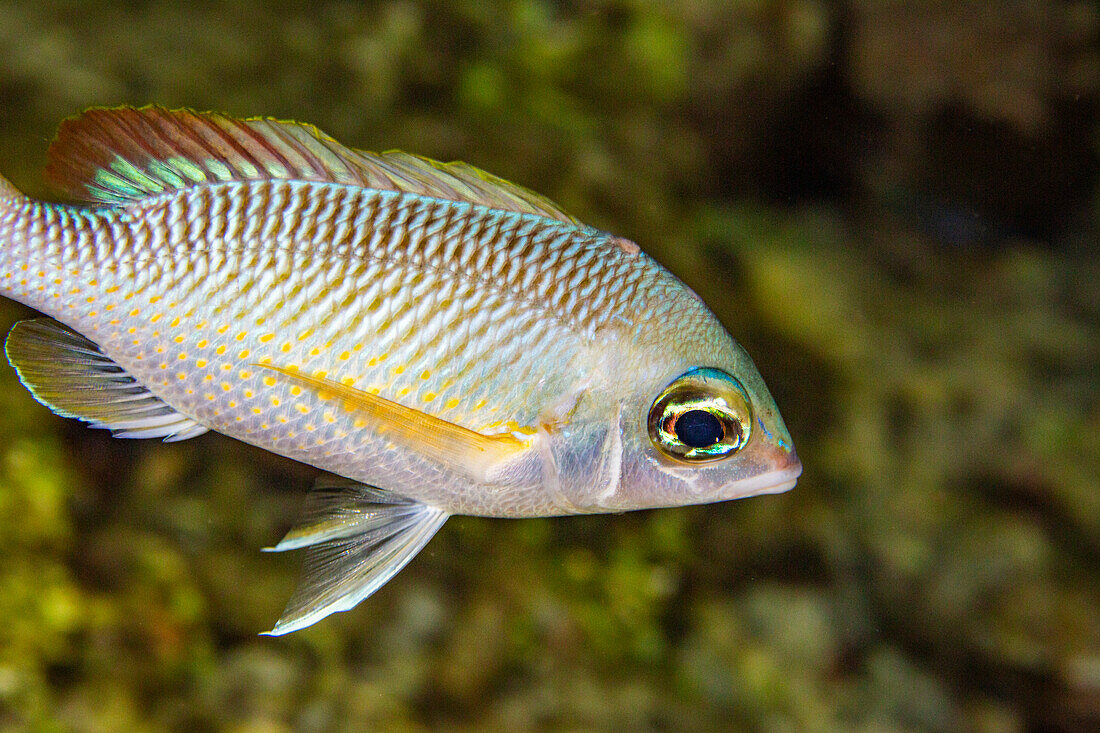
(70, 375)
(127, 153)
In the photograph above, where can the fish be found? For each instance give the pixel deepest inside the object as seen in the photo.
(436, 340)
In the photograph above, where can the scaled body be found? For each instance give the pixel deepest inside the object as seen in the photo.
(428, 330)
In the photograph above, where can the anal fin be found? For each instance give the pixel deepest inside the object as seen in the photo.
(71, 375)
(356, 537)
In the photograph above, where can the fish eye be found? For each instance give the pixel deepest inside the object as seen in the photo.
(703, 415)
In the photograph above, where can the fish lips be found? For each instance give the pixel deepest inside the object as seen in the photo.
(779, 472)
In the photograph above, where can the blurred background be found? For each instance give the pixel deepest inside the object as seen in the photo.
(893, 205)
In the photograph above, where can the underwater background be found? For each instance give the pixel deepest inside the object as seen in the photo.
(894, 206)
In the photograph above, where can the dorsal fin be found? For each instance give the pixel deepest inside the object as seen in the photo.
(127, 153)
(70, 375)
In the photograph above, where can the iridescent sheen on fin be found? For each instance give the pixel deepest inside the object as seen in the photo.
(112, 156)
(70, 375)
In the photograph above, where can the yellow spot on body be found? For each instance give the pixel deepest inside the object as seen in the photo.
(329, 417)
(275, 402)
(404, 391)
(202, 343)
(304, 409)
(226, 386)
(269, 381)
(154, 299)
(208, 378)
(428, 396)
(451, 404)
(114, 321)
(223, 329)
(256, 410)
(425, 374)
(347, 381)
(160, 349)
(345, 355)
(375, 391)
(360, 423)
(265, 360)
(135, 312)
(248, 393)
(200, 363)
(183, 355)
(174, 322)
(244, 354)
(285, 348)
(400, 369)
(284, 421)
(479, 405)
(320, 373)
(266, 337)
(305, 334)
(226, 367)
(131, 330)
(240, 336)
(178, 339)
(209, 397)
(314, 351)
(190, 391)
(244, 374)
(296, 390)
(156, 317)
(90, 299)
(112, 289)
(109, 307)
(92, 314)
(220, 350)
(181, 376)
(232, 403)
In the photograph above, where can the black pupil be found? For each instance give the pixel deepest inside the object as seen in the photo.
(698, 429)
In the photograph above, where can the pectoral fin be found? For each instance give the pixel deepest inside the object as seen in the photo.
(471, 453)
(357, 538)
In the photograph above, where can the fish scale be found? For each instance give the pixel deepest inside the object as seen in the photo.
(190, 280)
(428, 329)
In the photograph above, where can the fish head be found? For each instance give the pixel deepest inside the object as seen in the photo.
(677, 424)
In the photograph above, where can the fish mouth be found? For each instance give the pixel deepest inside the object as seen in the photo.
(782, 471)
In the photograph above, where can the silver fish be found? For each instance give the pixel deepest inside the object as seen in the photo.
(444, 341)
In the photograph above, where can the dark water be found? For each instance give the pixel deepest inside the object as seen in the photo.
(893, 206)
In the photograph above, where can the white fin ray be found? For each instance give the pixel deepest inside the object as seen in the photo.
(357, 538)
(71, 375)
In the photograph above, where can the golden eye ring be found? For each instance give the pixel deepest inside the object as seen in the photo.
(704, 415)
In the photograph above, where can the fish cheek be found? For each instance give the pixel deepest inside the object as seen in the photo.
(581, 464)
